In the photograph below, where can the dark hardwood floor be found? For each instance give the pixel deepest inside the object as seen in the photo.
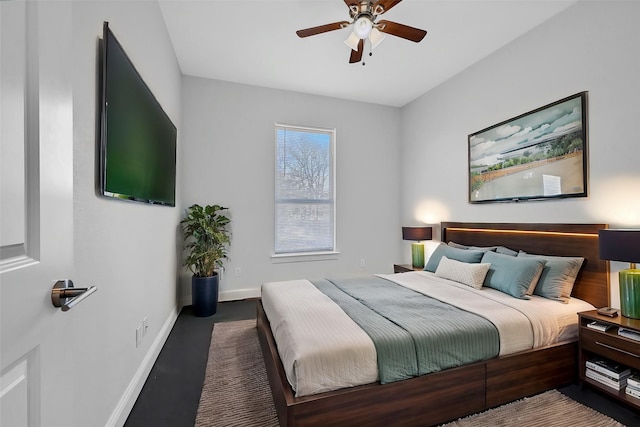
(171, 394)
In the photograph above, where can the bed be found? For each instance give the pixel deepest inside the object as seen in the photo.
(455, 392)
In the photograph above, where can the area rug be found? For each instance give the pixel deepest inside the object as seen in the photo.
(549, 409)
(236, 392)
(236, 389)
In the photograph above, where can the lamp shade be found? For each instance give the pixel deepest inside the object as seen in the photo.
(352, 41)
(624, 245)
(416, 233)
(619, 245)
(376, 37)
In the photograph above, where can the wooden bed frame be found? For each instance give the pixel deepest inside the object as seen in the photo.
(457, 392)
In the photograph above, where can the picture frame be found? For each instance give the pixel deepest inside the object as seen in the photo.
(538, 155)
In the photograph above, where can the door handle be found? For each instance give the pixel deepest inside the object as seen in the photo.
(65, 296)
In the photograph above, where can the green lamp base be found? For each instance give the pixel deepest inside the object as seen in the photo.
(630, 293)
(417, 255)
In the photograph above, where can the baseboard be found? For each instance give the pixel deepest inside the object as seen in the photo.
(239, 294)
(121, 412)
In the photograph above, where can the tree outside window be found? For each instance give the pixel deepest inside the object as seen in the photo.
(304, 196)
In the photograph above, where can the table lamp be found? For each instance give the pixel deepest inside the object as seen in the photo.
(417, 249)
(624, 245)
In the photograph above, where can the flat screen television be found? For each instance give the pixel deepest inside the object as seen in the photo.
(137, 140)
(539, 155)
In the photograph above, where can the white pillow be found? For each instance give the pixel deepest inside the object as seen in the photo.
(468, 274)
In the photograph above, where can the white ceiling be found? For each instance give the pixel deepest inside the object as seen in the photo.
(254, 42)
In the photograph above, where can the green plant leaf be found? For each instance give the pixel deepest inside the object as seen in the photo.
(206, 238)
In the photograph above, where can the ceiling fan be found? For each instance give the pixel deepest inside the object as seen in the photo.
(363, 19)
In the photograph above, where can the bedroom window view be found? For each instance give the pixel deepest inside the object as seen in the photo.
(304, 191)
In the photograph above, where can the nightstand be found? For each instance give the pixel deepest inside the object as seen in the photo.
(403, 268)
(609, 345)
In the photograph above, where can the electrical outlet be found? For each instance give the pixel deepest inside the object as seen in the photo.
(138, 336)
(362, 263)
(145, 327)
(238, 271)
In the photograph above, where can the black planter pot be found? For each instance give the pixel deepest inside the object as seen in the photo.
(204, 295)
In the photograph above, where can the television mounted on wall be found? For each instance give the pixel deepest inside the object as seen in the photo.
(539, 155)
(137, 139)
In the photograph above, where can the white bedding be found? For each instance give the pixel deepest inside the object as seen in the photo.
(322, 349)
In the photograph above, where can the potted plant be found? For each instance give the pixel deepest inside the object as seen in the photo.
(206, 239)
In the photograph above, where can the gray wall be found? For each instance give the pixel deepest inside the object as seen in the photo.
(228, 156)
(591, 46)
(127, 250)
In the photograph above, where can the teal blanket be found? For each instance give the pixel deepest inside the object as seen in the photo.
(413, 334)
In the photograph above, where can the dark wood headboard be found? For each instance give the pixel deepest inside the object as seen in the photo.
(592, 284)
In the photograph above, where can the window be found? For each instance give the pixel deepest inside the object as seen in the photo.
(305, 190)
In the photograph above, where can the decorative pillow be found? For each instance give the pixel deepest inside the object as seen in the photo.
(468, 274)
(558, 276)
(506, 251)
(512, 275)
(429, 247)
(464, 255)
(474, 248)
(498, 249)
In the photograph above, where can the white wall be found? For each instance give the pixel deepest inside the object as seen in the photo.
(591, 46)
(228, 159)
(127, 250)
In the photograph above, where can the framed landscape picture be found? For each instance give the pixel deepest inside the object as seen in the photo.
(541, 154)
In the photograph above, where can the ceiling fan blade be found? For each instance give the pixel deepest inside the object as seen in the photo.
(356, 56)
(321, 29)
(350, 3)
(385, 4)
(400, 30)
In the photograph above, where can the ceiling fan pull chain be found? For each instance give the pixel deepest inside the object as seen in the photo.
(370, 54)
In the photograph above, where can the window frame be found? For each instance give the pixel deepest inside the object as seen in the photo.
(319, 255)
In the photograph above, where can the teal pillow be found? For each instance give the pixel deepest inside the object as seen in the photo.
(512, 275)
(506, 251)
(475, 248)
(498, 249)
(463, 255)
(558, 276)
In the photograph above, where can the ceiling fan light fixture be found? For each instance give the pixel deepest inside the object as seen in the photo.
(362, 27)
(352, 41)
(376, 37)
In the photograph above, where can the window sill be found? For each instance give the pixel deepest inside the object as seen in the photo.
(304, 257)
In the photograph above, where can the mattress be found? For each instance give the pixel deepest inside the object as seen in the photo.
(323, 349)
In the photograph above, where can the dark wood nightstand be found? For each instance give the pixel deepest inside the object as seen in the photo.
(403, 268)
(608, 345)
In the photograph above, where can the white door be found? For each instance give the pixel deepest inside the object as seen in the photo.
(36, 213)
